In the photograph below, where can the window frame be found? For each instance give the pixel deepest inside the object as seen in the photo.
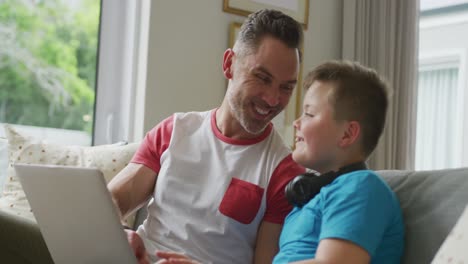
(121, 71)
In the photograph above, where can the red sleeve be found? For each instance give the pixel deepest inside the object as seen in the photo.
(154, 144)
(277, 205)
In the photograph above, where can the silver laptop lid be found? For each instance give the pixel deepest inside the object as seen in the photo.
(75, 213)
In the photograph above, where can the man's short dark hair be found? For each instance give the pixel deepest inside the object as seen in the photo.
(359, 94)
(267, 22)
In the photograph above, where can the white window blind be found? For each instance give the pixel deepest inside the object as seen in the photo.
(439, 121)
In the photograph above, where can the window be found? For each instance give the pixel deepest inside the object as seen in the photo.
(112, 84)
(48, 62)
(442, 117)
(51, 82)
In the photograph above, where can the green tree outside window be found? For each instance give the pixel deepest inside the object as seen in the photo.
(48, 63)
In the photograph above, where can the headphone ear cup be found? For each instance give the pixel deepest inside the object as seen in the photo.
(305, 187)
(300, 189)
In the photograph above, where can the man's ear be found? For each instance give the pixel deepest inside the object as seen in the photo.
(227, 63)
(351, 133)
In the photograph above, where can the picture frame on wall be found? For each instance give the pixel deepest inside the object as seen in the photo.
(283, 122)
(297, 9)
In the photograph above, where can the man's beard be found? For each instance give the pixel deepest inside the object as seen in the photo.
(252, 127)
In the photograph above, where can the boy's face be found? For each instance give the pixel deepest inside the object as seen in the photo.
(317, 132)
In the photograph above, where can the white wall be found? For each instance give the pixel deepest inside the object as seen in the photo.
(323, 38)
(187, 40)
(444, 32)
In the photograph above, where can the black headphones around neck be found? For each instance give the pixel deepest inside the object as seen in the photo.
(306, 186)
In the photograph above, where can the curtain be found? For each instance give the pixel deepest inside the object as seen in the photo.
(382, 34)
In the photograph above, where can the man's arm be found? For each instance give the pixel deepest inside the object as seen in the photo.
(132, 187)
(331, 251)
(267, 242)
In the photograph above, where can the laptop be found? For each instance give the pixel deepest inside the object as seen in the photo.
(75, 213)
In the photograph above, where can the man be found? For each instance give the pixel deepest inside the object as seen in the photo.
(217, 178)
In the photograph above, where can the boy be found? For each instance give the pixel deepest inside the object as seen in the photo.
(355, 217)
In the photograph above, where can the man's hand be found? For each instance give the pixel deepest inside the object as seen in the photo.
(174, 258)
(136, 243)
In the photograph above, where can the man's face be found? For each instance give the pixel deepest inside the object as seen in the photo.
(261, 84)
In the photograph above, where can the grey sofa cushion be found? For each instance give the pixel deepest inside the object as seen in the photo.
(431, 201)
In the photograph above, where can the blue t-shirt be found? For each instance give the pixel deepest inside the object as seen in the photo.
(358, 207)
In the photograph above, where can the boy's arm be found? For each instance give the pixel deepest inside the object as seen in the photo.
(267, 242)
(332, 251)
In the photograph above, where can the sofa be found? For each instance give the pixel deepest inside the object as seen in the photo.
(432, 201)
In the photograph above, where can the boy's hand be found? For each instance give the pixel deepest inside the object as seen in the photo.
(136, 243)
(174, 258)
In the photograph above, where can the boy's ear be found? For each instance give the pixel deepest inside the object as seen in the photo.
(351, 133)
(227, 63)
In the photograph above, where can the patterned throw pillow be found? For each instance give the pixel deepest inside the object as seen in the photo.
(110, 159)
(3, 161)
(454, 250)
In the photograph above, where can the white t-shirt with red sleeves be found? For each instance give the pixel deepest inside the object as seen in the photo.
(212, 192)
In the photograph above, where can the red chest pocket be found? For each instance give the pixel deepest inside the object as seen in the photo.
(241, 201)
